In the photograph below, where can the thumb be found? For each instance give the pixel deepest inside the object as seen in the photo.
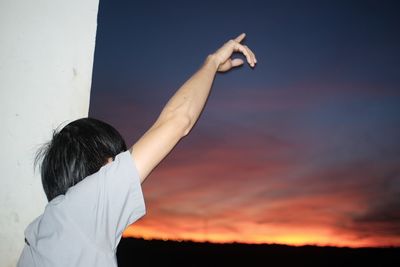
(237, 62)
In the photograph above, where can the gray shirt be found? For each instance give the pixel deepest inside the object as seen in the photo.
(84, 226)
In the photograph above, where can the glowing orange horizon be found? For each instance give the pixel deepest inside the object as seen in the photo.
(317, 237)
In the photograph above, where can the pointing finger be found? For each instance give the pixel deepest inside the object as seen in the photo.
(240, 37)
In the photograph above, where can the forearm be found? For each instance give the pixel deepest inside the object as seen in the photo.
(176, 119)
(184, 108)
(189, 100)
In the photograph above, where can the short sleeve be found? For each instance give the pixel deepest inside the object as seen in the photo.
(105, 203)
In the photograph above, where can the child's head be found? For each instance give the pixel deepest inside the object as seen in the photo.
(80, 149)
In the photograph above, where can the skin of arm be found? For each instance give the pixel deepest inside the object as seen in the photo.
(184, 108)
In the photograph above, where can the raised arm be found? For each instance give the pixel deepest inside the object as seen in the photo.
(184, 108)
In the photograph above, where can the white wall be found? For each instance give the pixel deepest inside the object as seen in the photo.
(46, 59)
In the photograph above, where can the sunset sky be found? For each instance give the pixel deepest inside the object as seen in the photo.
(304, 149)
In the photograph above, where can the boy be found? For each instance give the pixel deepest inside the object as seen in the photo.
(93, 183)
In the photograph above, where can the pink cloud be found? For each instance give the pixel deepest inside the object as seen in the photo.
(221, 192)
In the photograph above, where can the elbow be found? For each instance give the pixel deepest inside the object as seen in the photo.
(183, 124)
(179, 123)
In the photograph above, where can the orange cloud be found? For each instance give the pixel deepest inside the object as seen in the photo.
(224, 192)
(265, 166)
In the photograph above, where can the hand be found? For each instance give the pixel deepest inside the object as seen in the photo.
(223, 55)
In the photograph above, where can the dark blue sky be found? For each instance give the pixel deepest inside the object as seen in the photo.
(312, 130)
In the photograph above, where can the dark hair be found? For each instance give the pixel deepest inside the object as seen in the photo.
(80, 149)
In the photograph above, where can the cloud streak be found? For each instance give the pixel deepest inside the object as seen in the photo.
(228, 188)
(302, 149)
(275, 166)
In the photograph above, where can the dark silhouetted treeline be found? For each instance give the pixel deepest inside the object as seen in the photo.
(139, 252)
